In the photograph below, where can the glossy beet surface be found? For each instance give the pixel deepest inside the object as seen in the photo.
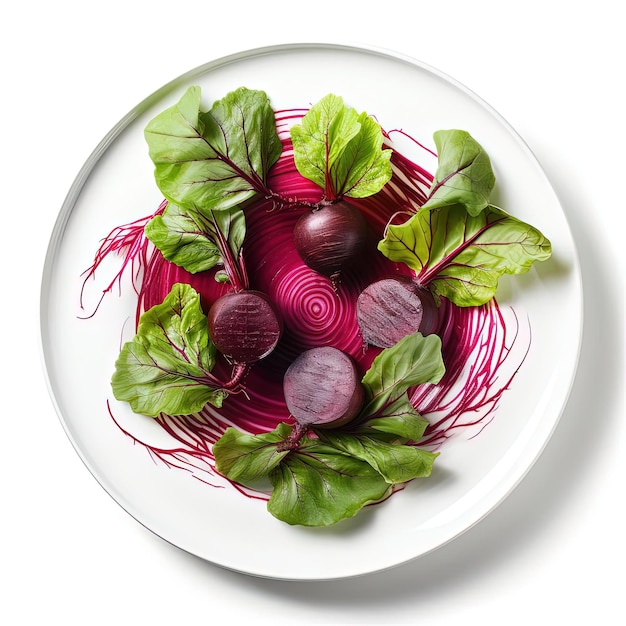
(330, 238)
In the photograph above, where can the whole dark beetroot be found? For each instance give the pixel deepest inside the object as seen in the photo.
(331, 238)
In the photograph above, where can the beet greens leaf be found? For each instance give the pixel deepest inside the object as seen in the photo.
(461, 257)
(341, 150)
(198, 240)
(215, 159)
(414, 360)
(396, 463)
(166, 367)
(313, 484)
(318, 485)
(464, 175)
(248, 459)
(396, 421)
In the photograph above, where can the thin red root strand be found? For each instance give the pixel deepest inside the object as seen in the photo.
(235, 384)
(469, 394)
(130, 242)
(195, 435)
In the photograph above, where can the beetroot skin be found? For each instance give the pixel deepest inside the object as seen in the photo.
(244, 326)
(331, 238)
(323, 389)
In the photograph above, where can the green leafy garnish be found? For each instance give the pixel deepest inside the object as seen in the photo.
(215, 159)
(412, 361)
(397, 421)
(198, 240)
(166, 367)
(341, 150)
(248, 459)
(464, 175)
(458, 243)
(462, 257)
(206, 165)
(396, 463)
(318, 485)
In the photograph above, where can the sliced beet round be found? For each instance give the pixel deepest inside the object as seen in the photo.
(322, 388)
(331, 238)
(244, 326)
(392, 308)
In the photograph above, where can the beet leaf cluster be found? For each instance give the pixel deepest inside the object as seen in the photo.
(458, 244)
(167, 365)
(353, 439)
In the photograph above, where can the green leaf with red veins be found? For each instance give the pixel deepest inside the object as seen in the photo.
(462, 257)
(248, 459)
(182, 238)
(414, 360)
(341, 150)
(215, 159)
(464, 174)
(166, 367)
(397, 421)
(318, 485)
(397, 463)
(198, 240)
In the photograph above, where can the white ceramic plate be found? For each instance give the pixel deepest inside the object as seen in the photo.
(116, 186)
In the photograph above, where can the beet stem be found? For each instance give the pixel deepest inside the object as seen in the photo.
(238, 374)
(280, 202)
(293, 441)
(235, 267)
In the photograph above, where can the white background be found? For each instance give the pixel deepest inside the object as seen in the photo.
(554, 550)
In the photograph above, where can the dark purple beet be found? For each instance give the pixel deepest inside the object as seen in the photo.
(322, 388)
(329, 238)
(244, 326)
(392, 308)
